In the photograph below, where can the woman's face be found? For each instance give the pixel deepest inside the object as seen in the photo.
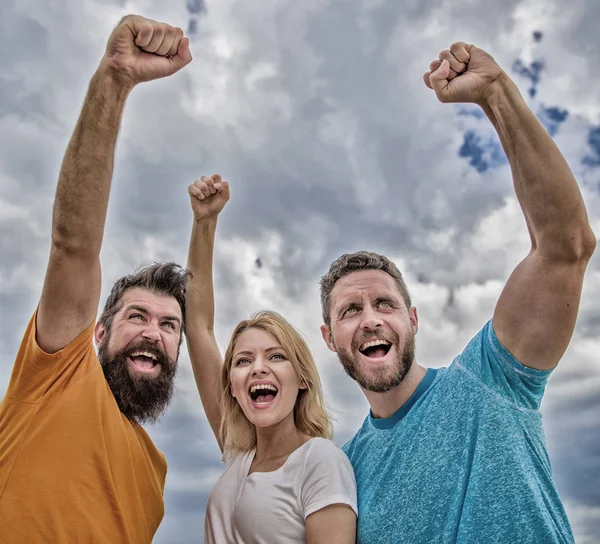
(263, 380)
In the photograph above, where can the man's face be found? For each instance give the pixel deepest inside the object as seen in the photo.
(371, 329)
(139, 352)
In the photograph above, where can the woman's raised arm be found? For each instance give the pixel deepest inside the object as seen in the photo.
(208, 197)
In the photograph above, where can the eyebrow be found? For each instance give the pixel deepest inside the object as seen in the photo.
(274, 348)
(143, 310)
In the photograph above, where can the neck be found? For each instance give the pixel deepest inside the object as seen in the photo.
(384, 405)
(278, 440)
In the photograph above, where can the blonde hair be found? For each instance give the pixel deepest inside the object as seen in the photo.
(237, 433)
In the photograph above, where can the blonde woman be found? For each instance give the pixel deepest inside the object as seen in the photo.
(284, 480)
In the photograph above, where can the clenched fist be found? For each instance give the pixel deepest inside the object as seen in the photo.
(208, 196)
(140, 49)
(464, 73)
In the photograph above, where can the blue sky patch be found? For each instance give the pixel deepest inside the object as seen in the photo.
(482, 154)
(552, 117)
(532, 73)
(593, 159)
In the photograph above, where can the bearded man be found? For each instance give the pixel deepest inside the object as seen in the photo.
(458, 454)
(75, 463)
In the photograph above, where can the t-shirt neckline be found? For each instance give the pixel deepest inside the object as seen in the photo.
(389, 422)
(252, 454)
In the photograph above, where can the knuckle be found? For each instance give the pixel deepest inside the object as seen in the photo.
(127, 18)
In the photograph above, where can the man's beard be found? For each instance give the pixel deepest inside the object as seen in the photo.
(385, 379)
(141, 398)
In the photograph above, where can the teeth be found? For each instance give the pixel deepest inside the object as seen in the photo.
(144, 353)
(263, 386)
(374, 343)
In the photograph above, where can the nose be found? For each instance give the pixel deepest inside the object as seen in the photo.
(259, 368)
(371, 320)
(151, 332)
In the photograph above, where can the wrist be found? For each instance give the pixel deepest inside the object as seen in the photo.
(205, 221)
(118, 83)
(503, 90)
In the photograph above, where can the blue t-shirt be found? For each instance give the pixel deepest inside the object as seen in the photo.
(463, 460)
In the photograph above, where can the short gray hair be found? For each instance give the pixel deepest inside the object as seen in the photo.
(353, 262)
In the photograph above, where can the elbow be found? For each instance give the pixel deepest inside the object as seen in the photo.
(588, 244)
(574, 247)
(69, 244)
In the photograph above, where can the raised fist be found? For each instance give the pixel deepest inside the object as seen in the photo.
(464, 73)
(208, 196)
(140, 49)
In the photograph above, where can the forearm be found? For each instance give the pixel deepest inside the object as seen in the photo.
(85, 178)
(199, 293)
(544, 184)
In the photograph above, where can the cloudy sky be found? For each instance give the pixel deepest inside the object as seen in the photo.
(316, 113)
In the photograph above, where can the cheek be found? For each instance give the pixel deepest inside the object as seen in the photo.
(290, 379)
(236, 383)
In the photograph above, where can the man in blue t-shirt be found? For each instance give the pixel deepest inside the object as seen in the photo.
(458, 454)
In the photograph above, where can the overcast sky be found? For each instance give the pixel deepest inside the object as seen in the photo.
(316, 113)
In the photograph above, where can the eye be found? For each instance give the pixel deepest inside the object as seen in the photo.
(385, 304)
(242, 361)
(169, 324)
(136, 316)
(278, 356)
(351, 310)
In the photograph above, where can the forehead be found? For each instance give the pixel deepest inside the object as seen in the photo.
(255, 340)
(374, 283)
(154, 303)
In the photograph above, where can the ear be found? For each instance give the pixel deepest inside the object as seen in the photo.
(303, 385)
(328, 337)
(414, 319)
(99, 333)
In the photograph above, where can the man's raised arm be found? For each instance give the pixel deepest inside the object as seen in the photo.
(138, 50)
(536, 313)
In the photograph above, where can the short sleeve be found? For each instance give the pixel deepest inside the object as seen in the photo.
(328, 478)
(36, 373)
(489, 362)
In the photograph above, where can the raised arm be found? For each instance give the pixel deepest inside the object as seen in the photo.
(138, 50)
(536, 313)
(208, 196)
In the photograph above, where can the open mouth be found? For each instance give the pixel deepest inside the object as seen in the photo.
(263, 394)
(375, 349)
(144, 361)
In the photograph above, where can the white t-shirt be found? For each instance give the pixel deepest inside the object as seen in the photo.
(269, 507)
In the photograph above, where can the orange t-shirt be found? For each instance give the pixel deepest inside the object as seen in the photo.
(73, 468)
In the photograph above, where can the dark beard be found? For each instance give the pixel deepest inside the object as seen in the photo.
(382, 383)
(143, 398)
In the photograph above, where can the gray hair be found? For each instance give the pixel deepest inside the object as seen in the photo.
(353, 262)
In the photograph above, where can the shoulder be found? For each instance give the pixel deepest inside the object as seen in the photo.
(328, 477)
(322, 448)
(323, 455)
(36, 372)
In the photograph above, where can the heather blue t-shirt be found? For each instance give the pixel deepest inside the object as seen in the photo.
(463, 460)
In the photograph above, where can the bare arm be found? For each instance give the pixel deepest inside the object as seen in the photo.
(72, 285)
(138, 50)
(537, 310)
(208, 197)
(334, 524)
(536, 313)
